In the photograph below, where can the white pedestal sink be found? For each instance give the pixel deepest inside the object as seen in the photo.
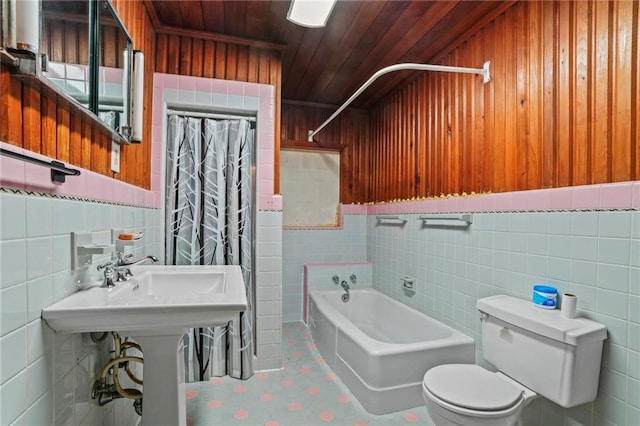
(156, 307)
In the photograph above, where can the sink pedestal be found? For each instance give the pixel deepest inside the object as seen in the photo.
(163, 401)
(156, 307)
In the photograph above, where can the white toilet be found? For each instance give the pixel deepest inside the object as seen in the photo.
(536, 352)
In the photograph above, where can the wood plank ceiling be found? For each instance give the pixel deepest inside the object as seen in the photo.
(327, 65)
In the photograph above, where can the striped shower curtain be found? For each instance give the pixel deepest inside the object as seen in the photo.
(209, 222)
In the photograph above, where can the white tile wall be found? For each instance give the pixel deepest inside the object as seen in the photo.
(301, 246)
(321, 277)
(45, 378)
(268, 290)
(592, 254)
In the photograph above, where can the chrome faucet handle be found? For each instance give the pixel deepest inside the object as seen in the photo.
(122, 258)
(109, 274)
(335, 279)
(352, 278)
(107, 266)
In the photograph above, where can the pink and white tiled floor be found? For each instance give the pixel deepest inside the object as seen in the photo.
(304, 392)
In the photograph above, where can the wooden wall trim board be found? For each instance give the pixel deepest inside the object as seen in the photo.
(562, 109)
(41, 121)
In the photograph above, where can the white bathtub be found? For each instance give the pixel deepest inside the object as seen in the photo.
(380, 348)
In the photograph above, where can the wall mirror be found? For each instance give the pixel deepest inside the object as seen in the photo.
(114, 70)
(88, 58)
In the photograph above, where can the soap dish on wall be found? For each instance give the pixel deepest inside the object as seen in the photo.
(121, 245)
(95, 249)
(82, 248)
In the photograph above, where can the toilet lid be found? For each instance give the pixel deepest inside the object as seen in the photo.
(471, 386)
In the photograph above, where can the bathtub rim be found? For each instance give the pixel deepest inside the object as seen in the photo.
(373, 346)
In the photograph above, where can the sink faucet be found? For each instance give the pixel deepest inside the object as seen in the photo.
(122, 268)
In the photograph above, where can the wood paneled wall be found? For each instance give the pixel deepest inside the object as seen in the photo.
(198, 54)
(562, 108)
(195, 55)
(135, 160)
(349, 133)
(40, 121)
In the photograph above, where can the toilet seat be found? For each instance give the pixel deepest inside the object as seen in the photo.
(471, 387)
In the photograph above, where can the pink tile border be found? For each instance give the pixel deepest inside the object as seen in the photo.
(616, 195)
(20, 175)
(11, 170)
(635, 195)
(611, 196)
(353, 209)
(270, 202)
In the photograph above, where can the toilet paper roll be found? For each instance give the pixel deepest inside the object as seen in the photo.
(569, 305)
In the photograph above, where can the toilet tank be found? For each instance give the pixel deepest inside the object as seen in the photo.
(558, 358)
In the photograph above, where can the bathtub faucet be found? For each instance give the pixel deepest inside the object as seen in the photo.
(345, 286)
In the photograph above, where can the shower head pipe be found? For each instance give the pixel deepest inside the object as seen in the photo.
(484, 72)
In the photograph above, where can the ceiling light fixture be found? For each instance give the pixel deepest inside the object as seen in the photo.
(310, 13)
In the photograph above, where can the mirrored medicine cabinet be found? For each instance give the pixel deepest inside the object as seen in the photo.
(84, 54)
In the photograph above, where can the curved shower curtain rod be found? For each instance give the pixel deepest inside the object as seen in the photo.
(484, 71)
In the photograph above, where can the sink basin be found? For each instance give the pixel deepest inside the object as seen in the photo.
(153, 287)
(156, 307)
(155, 297)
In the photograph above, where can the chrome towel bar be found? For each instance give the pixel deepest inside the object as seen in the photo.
(58, 170)
(468, 218)
(390, 218)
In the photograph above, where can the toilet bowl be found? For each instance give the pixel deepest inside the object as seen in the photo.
(535, 352)
(469, 395)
